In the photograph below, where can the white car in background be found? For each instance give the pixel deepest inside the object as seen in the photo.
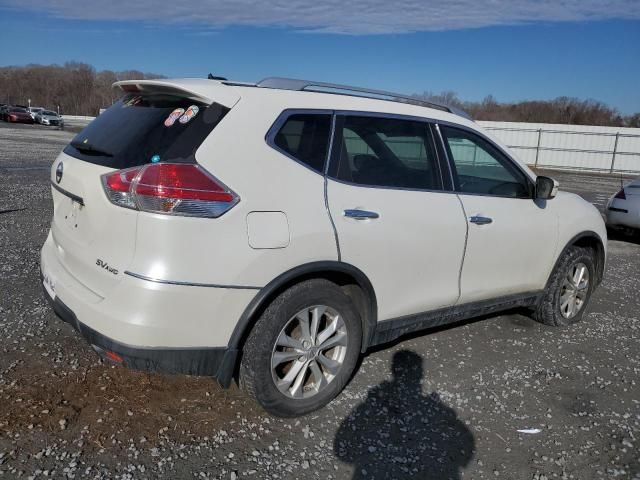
(34, 111)
(49, 117)
(273, 232)
(623, 209)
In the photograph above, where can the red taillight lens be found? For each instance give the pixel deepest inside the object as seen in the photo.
(169, 188)
(118, 187)
(621, 195)
(121, 181)
(182, 182)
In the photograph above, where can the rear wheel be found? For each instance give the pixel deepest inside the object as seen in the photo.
(303, 349)
(569, 290)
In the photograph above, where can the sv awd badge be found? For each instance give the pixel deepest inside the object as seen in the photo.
(105, 265)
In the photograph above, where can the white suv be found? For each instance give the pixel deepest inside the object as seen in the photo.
(273, 232)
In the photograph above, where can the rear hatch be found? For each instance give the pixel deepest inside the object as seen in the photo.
(96, 240)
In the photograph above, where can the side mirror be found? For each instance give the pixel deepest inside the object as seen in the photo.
(546, 188)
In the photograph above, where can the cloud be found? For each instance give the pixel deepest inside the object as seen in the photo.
(339, 16)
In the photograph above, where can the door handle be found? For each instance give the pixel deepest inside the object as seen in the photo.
(360, 214)
(478, 220)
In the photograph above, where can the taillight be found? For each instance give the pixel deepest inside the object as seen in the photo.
(118, 187)
(169, 188)
(621, 195)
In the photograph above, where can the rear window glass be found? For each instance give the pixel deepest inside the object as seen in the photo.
(305, 137)
(141, 129)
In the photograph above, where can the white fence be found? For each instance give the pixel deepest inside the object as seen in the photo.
(575, 147)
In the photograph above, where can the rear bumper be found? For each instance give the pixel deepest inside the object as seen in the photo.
(212, 362)
(151, 326)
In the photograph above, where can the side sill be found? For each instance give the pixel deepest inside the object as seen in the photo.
(389, 330)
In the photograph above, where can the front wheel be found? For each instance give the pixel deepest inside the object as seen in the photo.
(302, 350)
(569, 290)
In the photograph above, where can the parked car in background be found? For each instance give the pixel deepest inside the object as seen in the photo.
(49, 117)
(34, 111)
(18, 115)
(276, 231)
(623, 209)
(3, 111)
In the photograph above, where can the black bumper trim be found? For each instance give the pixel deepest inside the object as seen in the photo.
(217, 362)
(620, 210)
(72, 196)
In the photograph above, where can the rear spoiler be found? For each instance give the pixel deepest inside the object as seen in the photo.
(196, 89)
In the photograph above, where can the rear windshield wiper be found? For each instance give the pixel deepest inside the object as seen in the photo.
(90, 149)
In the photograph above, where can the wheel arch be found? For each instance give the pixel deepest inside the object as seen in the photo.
(588, 239)
(352, 280)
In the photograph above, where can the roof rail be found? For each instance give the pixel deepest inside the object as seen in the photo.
(323, 87)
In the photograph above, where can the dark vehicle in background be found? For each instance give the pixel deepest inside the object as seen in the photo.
(17, 115)
(49, 117)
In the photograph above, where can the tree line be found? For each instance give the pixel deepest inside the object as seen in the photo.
(563, 110)
(74, 88)
(78, 89)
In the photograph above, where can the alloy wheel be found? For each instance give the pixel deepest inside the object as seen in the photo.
(574, 290)
(309, 352)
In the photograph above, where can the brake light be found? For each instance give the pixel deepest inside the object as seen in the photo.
(169, 188)
(621, 195)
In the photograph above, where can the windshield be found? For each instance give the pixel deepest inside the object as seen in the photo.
(141, 129)
(47, 112)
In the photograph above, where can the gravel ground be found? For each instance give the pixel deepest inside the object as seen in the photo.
(446, 404)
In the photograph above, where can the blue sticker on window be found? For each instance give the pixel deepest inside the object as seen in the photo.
(155, 159)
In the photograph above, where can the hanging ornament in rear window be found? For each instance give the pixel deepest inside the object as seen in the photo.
(191, 112)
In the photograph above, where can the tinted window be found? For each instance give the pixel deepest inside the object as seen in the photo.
(137, 130)
(306, 138)
(480, 168)
(387, 152)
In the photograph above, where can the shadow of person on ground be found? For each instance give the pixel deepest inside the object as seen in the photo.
(397, 432)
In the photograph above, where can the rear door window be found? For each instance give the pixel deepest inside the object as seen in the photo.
(305, 137)
(140, 129)
(387, 152)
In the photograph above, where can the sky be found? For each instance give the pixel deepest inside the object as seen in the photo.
(512, 49)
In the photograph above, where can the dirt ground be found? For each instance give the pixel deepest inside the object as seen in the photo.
(448, 403)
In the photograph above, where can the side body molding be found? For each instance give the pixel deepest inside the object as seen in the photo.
(327, 269)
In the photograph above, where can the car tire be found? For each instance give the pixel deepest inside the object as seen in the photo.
(265, 347)
(565, 300)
